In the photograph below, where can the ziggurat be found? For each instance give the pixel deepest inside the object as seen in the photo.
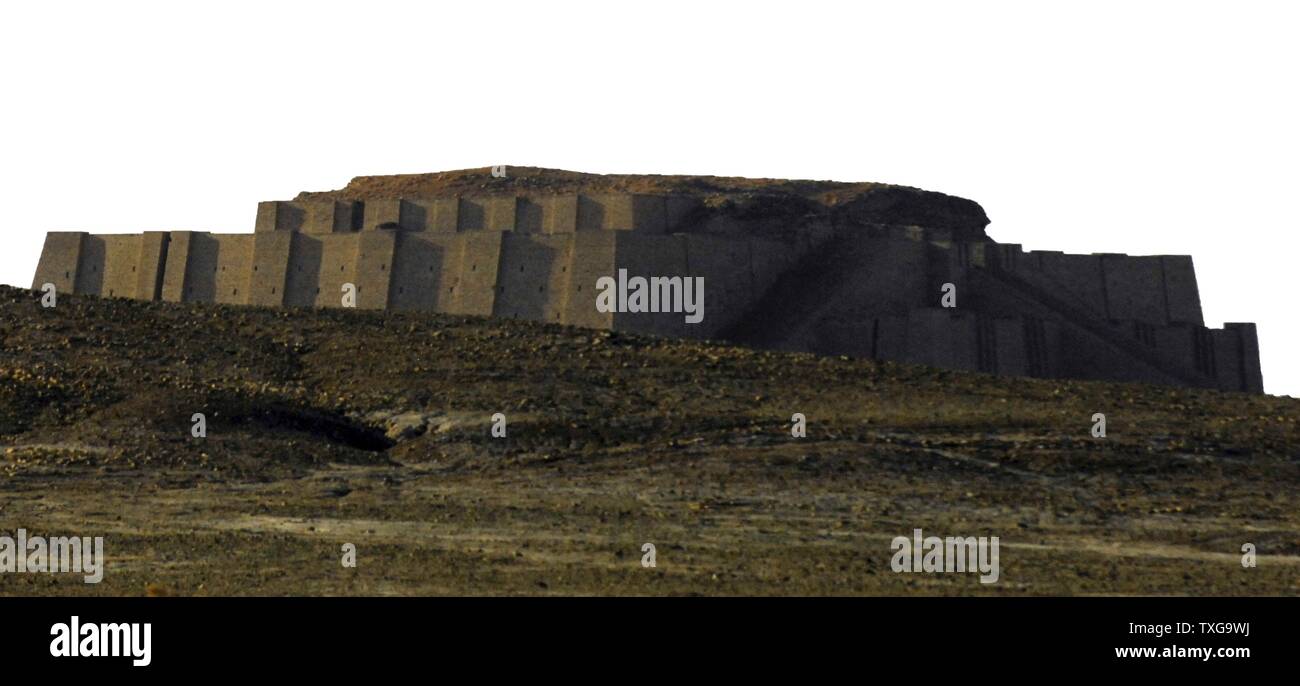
(823, 267)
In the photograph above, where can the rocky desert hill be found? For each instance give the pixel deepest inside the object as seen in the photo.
(327, 427)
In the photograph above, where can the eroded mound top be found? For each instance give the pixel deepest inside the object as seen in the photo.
(857, 202)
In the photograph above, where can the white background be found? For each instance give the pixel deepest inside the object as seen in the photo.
(1136, 127)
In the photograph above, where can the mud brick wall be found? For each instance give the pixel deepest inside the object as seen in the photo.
(540, 257)
(1157, 289)
(594, 256)
(426, 270)
(374, 268)
(60, 261)
(152, 263)
(338, 264)
(1236, 357)
(532, 280)
(271, 263)
(647, 256)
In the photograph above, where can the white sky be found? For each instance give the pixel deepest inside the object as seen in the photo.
(1145, 128)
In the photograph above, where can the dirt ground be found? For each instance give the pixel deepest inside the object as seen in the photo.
(373, 428)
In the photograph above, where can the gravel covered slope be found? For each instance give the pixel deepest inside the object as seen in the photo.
(335, 426)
